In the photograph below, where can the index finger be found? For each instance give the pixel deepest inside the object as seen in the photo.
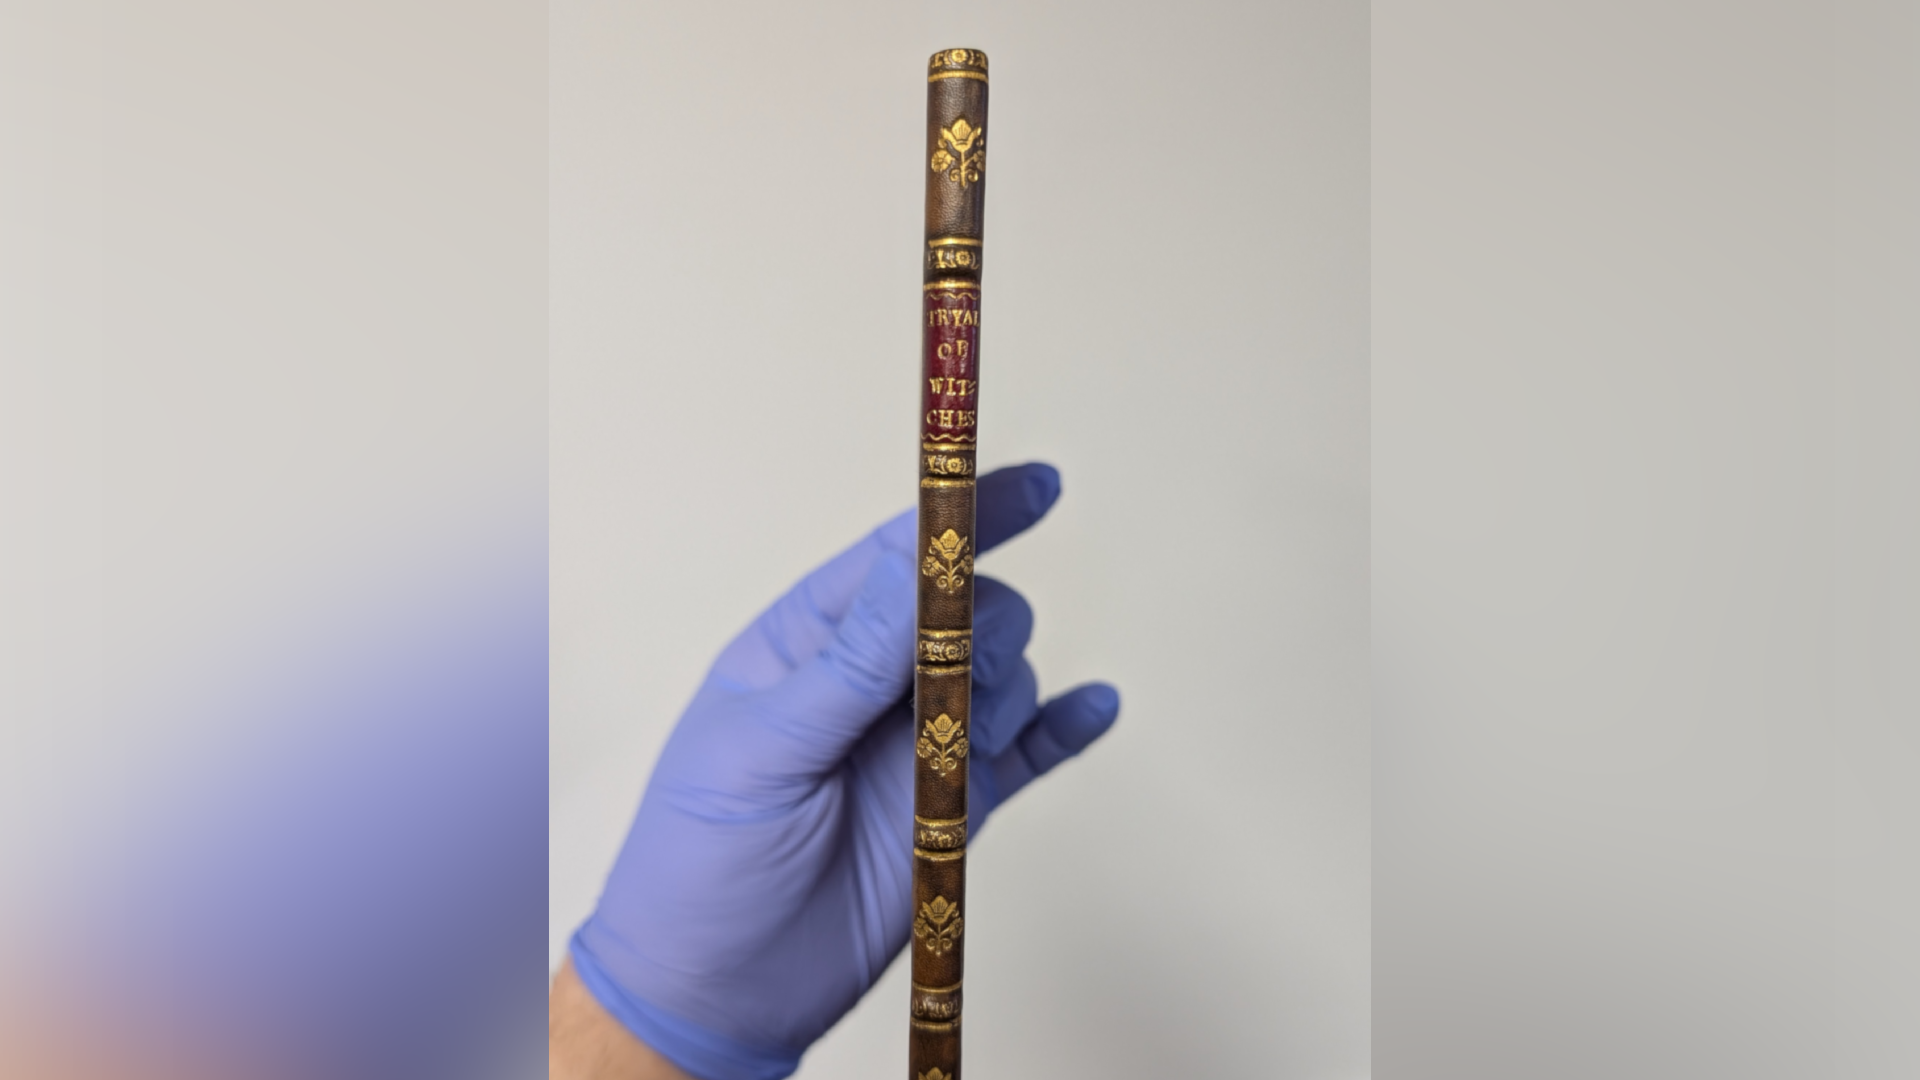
(801, 623)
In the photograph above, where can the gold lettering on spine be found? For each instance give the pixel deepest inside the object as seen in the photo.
(953, 317)
(948, 418)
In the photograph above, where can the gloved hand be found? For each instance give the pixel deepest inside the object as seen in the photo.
(765, 883)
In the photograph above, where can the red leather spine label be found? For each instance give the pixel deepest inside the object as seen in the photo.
(950, 383)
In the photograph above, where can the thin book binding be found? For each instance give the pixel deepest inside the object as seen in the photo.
(956, 176)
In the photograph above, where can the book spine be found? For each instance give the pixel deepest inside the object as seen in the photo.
(956, 162)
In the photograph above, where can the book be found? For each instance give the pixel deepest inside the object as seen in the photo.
(956, 163)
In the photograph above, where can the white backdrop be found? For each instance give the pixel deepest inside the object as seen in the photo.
(272, 372)
(1646, 494)
(1176, 302)
(1636, 469)
(272, 333)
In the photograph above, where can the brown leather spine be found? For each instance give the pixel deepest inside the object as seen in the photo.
(956, 163)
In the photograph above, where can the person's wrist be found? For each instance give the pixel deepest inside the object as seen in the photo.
(584, 1042)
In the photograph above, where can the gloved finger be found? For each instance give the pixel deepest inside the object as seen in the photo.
(800, 624)
(1002, 626)
(1009, 501)
(1066, 725)
(1001, 711)
(817, 713)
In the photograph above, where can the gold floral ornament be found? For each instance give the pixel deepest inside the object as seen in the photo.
(938, 925)
(949, 465)
(943, 744)
(948, 562)
(936, 1074)
(945, 651)
(964, 165)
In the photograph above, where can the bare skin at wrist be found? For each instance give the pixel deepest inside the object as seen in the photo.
(66, 1040)
(45, 1040)
(584, 1043)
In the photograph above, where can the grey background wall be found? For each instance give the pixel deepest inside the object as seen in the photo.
(1644, 513)
(272, 344)
(1176, 305)
(1633, 470)
(272, 418)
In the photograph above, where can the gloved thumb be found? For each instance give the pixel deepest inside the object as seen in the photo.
(824, 707)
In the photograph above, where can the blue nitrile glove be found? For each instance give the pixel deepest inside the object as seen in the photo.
(765, 883)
